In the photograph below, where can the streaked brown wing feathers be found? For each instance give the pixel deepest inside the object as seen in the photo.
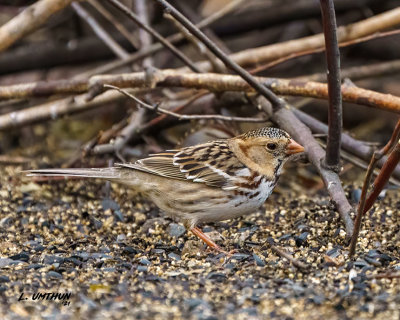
(210, 163)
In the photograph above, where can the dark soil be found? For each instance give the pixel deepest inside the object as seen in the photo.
(119, 257)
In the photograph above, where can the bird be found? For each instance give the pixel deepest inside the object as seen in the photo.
(208, 182)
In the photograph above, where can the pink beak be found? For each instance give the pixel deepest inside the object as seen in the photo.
(293, 147)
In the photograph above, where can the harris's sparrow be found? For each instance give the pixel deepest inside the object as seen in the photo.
(208, 182)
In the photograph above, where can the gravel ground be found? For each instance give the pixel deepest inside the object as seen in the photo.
(119, 258)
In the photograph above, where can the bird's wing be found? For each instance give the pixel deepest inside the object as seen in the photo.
(211, 163)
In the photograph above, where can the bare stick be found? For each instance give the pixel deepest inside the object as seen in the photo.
(104, 147)
(124, 135)
(99, 31)
(332, 158)
(144, 36)
(119, 26)
(199, 45)
(285, 118)
(373, 70)
(299, 54)
(29, 20)
(171, 78)
(379, 183)
(284, 254)
(264, 54)
(194, 16)
(210, 81)
(185, 116)
(155, 34)
(385, 275)
(351, 145)
(385, 173)
(268, 94)
(55, 109)
(254, 56)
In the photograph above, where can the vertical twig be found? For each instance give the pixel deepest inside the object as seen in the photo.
(145, 37)
(332, 158)
(380, 181)
(99, 31)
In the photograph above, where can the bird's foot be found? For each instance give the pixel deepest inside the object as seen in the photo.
(228, 254)
(210, 243)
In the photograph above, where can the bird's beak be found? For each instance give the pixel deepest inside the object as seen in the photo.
(293, 147)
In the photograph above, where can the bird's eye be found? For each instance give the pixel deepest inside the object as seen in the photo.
(271, 146)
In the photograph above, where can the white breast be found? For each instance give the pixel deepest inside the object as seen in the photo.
(239, 204)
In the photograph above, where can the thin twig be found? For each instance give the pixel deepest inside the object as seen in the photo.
(286, 119)
(385, 275)
(144, 36)
(185, 116)
(380, 181)
(284, 254)
(29, 20)
(194, 16)
(268, 94)
(199, 45)
(209, 81)
(321, 76)
(169, 78)
(118, 25)
(229, 7)
(332, 158)
(155, 34)
(358, 148)
(124, 135)
(260, 55)
(100, 31)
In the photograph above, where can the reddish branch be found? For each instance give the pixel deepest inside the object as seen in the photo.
(392, 147)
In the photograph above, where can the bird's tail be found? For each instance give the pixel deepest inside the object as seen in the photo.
(102, 173)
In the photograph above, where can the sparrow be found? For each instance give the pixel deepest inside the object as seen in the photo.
(209, 182)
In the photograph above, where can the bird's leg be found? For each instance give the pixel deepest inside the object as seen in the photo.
(197, 232)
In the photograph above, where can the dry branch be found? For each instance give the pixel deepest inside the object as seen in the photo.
(209, 81)
(29, 20)
(171, 78)
(320, 77)
(332, 159)
(100, 31)
(392, 147)
(251, 57)
(264, 54)
(186, 116)
(351, 145)
(165, 42)
(55, 109)
(286, 119)
(118, 25)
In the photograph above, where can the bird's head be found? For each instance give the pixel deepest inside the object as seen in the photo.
(265, 150)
